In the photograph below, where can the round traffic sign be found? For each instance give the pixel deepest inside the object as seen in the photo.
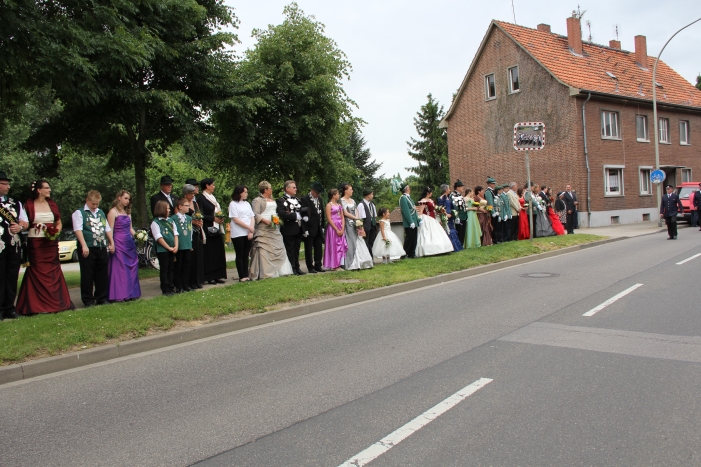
(658, 176)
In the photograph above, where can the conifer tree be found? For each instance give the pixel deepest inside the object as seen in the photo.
(431, 149)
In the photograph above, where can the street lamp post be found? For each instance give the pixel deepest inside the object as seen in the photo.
(654, 115)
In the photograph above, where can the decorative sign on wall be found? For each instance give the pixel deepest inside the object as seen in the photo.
(529, 136)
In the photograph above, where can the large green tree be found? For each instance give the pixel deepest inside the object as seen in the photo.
(147, 73)
(291, 114)
(698, 81)
(360, 157)
(430, 150)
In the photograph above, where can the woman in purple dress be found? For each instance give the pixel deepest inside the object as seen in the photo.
(336, 245)
(124, 263)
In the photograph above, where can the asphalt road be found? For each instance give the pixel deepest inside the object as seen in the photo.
(619, 387)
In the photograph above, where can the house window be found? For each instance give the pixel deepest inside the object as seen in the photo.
(613, 181)
(684, 132)
(514, 85)
(664, 130)
(490, 87)
(609, 125)
(686, 175)
(641, 128)
(645, 181)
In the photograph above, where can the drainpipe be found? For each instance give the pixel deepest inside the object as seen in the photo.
(586, 158)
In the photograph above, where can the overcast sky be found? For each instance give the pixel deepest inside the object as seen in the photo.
(403, 50)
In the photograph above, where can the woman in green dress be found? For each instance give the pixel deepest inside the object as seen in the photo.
(474, 232)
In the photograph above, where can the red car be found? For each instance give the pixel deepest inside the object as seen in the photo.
(684, 190)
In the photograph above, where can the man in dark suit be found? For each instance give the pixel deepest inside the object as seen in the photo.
(671, 205)
(314, 228)
(571, 204)
(368, 212)
(696, 201)
(165, 194)
(290, 211)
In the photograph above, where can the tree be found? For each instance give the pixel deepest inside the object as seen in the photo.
(431, 149)
(149, 73)
(290, 114)
(698, 81)
(359, 156)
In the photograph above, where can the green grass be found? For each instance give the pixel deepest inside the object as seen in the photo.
(50, 334)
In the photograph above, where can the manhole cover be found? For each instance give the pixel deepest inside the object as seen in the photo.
(539, 275)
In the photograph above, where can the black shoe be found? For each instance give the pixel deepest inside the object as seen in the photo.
(102, 303)
(211, 282)
(196, 286)
(298, 272)
(670, 238)
(312, 271)
(10, 315)
(88, 304)
(320, 269)
(169, 294)
(220, 281)
(186, 289)
(675, 237)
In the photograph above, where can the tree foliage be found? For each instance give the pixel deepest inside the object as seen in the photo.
(360, 157)
(698, 81)
(431, 149)
(290, 114)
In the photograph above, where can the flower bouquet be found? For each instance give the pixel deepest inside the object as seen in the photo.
(388, 242)
(274, 221)
(141, 237)
(197, 216)
(443, 216)
(359, 227)
(220, 215)
(51, 232)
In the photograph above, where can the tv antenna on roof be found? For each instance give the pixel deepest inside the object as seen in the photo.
(513, 11)
(616, 31)
(588, 23)
(578, 13)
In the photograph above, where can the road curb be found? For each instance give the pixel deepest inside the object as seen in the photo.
(48, 365)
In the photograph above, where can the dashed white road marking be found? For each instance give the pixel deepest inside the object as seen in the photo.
(689, 259)
(597, 309)
(402, 433)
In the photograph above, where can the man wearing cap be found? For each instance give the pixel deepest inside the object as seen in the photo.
(696, 202)
(671, 206)
(165, 194)
(410, 219)
(13, 220)
(457, 197)
(368, 213)
(313, 228)
(489, 192)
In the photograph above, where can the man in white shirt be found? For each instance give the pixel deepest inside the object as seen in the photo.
(368, 213)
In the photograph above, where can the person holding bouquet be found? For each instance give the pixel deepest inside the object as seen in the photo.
(183, 225)
(124, 263)
(13, 220)
(198, 238)
(43, 288)
(387, 245)
(336, 245)
(446, 201)
(213, 224)
(268, 254)
(358, 256)
(432, 238)
(473, 233)
(165, 233)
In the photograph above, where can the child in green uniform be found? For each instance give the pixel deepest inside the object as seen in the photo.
(166, 236)
(183, 224)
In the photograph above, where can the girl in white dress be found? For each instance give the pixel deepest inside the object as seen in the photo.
(381, 249)
(432, 238)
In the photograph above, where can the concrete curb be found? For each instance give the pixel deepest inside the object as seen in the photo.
(44, 366)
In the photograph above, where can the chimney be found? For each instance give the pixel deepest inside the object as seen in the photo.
(544, 27)
(615, 45)
(641, 51)
(574, 35)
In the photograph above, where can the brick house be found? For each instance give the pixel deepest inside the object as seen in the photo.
(596, 103)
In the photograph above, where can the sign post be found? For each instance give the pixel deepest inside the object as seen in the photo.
(529, 136)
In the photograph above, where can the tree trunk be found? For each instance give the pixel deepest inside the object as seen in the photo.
(142, 214)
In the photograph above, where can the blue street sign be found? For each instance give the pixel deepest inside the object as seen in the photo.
(658, 176)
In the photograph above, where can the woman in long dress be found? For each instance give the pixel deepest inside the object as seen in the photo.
(484, 217)
(542, 221)
(358, 255)
(268, 254)
(447, 203)
(431, 239)
(524, 232)
(124, 263)
(387, 245)
(43, 288)
(336, 246)
(473, 237)
(198, 237)
(214, 253)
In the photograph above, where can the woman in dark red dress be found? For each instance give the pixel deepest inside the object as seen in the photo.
(43, 287)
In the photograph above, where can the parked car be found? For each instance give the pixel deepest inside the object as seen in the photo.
(67, 246)
(684, 190)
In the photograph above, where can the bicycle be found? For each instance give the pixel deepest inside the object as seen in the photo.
(146, 252)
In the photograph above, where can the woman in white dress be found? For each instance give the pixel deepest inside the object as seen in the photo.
(432, 238)
(358, 255)
(268, 255)
(381, 248)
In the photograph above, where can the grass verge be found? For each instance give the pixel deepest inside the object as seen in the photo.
(50, 334)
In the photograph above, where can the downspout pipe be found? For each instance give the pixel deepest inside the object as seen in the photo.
(586, 159)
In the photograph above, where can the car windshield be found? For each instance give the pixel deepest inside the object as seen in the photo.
(66, 236)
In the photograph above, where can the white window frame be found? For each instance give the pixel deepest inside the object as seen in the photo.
(663, 127)
(610, 116)
(487, 94)
(607, 170)
(510, 77)
(645, 182)
(684, 124)
(686, 171)
(646, 138)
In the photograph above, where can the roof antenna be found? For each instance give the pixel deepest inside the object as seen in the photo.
(588, 23)
(513, 11)
(578, 13)
(616, 31)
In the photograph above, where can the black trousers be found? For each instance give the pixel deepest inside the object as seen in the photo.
(166, 260)
(9, 273)
(370, 236)
(313, 253)
(197, 261)
(292, 245)
(461, 228)
(94, 275)
(181, 269)
(506, 230)
(410, 237)
(242, 247)
(571, 221)
(514, 227)
(671, 222)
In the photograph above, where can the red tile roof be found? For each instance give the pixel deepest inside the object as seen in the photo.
(589, 73)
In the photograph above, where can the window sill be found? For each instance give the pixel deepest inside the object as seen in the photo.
(491, 99)
(643, 140)
(611, 138)
(645, 194)
(613, 195)
(515, 92)
(684, 144)
(665, 142)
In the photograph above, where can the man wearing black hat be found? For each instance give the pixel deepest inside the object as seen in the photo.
(13, 219)
(668, 210)
(292, 214)
(165, 194)
(368, 213)
(457, 196)
(410, 220)
(314, 228)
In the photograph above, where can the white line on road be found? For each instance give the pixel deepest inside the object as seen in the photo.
(399, 435)
(597, 309)
(689, 259)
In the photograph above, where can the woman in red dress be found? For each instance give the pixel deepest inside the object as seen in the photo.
(524, 232)
(43, 287)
